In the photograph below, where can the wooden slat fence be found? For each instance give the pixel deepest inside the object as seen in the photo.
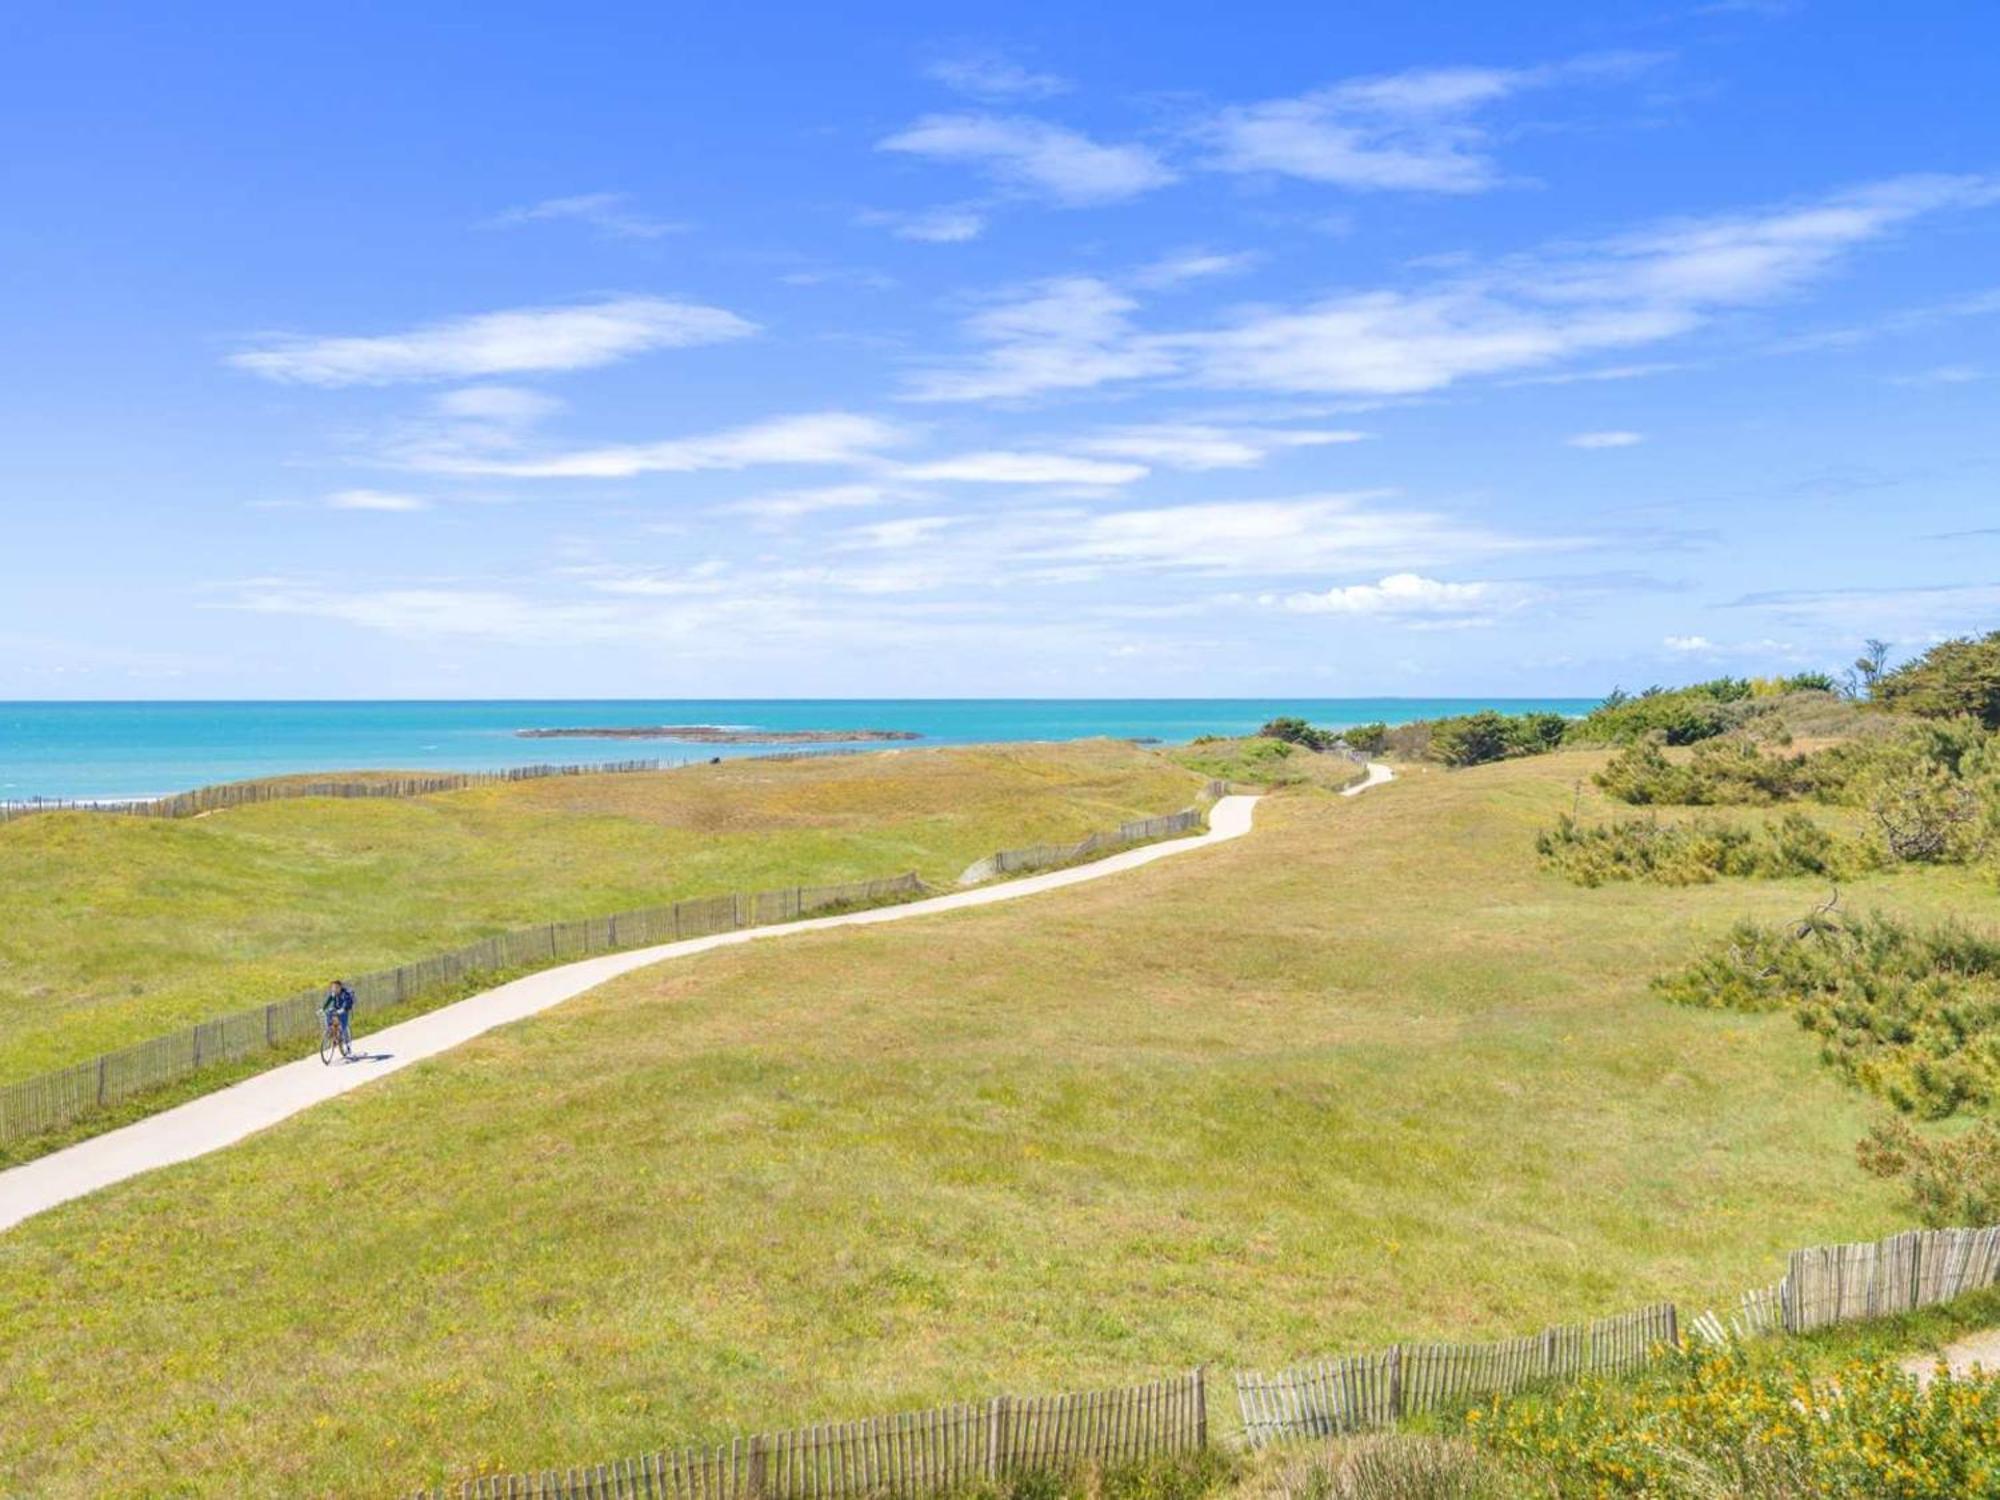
(1047, 856)
(908, 1455)
(231, 794)
(1841, 1283)
(1329, 1397)
(52, 1100)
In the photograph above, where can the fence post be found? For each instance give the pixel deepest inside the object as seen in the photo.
(1201, 1406)
(1395, 1383)
(100, 1080)
(756, 1469)
(1548, 1352)
(996, 1437)
(1673, 1326)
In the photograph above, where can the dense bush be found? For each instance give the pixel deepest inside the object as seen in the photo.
(1475, 739)
(1932, 791)
(1953, 1180)
(1960, 677)
(1720, 772)
(1724, 1422)
(1911, 1014)
(1679, 718)
(1367, 738)
(1697, 850)
(1296, 731)
(1672, 716)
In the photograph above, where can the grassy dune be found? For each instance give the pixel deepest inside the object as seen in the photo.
(1365, 1075)
(118, 929)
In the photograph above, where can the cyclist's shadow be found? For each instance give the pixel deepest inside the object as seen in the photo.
(358, 1056)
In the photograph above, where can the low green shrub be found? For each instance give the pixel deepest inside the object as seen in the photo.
(1729, 771)
(1697, 850)
(1931, 791)
(1367, 738)
(1726, 1422)
(1296, 731)
(1910, 1014)
(1951, 1180)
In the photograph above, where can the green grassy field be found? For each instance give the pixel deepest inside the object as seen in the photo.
(119, 929)
(1365, 1075)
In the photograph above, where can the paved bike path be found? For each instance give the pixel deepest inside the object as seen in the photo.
(228, 1115)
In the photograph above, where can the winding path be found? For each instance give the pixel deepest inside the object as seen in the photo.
(228, 1115)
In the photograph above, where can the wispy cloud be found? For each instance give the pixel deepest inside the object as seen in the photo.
(378, 500)
(1199, 446)
(835, 438)
(1605, 439)
(1341, 532)
(1032, 156)
(1192, 265)
(1070, 333)
(1941, 375)
(1023, 468)
(779, 506)
(951, 224)
(1515, 316)
(517, 341)
(608, 213)
(988, 75)
(1415, 131)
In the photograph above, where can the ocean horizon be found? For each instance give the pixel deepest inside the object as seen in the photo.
(132, 749)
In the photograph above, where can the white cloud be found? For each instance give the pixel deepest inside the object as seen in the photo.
(1192, 265)
(1398, 343)
(1412, 596)
(988, 76)
(1183, 445)
(1410, 131)
(499, 343)
(1941, 375)
(1691, 644)
(1034, 156)
(790, 505)
(382, 500)
(815, 438)
(1513, 317)
(608, 213)
(1342, 532)
(951, 224)
(1023, 468)
(908, 531)
(503, 404)
(1071, 332)
(1605, 439)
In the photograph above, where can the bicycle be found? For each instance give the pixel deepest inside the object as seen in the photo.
(334, 1037)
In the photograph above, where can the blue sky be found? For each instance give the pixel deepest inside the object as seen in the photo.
(1041, 350)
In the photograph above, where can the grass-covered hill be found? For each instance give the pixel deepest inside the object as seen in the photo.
(1370, 1073)
(121, 928)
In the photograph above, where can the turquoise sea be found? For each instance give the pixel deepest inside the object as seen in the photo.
(115, 750)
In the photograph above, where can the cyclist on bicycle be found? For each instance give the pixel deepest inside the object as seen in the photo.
(338, 1006)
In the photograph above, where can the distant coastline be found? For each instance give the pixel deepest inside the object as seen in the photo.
(126, 751)
(716, 734)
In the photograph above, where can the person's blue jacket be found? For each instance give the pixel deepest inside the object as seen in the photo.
(339, 1000)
